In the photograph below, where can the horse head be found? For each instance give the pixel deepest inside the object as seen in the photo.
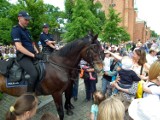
(92, 53)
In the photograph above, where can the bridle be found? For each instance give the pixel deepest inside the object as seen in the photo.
(90, 55)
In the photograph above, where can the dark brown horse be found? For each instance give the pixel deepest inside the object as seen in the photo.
(59, 68)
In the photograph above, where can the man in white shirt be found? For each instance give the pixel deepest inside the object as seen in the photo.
(151, 57)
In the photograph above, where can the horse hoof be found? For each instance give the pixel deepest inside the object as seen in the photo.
(69, 112)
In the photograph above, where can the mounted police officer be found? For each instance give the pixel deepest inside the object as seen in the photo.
(26, 51)
(47, 40)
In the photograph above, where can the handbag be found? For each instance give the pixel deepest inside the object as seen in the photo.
(139, 93)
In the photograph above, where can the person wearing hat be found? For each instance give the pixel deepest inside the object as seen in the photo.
(26, 52)
(47, 40)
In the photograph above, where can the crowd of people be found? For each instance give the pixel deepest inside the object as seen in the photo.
(7, 51)
(123, 69)
(25, 108)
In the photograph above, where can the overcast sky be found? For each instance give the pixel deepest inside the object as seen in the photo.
(148, 10)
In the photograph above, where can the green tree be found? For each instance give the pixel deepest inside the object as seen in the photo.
(112, 32)
(5, 22)
(123, 35)
(153, 34)
(69, 5)
(37, 9)
(4, 8)
(82, 21)
(95, 8)
(5, 30)
(54, 17)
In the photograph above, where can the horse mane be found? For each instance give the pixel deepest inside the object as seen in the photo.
(74, 46)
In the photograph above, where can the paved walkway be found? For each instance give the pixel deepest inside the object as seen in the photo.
(81, 111)
(82, 108)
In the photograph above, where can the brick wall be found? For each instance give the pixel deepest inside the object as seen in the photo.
(126, 10)
(137, 30)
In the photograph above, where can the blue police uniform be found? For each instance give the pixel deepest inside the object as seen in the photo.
(22, 35)
(44, 38)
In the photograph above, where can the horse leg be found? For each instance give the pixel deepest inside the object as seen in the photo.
(68, 95)
(59, 104)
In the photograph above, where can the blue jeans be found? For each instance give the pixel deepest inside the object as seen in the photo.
(106, 87)
(75, 88)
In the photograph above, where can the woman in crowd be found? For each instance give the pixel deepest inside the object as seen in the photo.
(140, 67)
(23, 109)
(147, 107)
(90, 85)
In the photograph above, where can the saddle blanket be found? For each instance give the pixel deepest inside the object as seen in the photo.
(10, 84)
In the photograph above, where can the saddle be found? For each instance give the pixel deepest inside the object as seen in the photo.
(15, 73)
(5, 65)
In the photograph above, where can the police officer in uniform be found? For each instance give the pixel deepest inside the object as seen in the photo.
(47, 40)
(26, 52)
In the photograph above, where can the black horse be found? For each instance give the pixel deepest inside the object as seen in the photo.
(59, 68)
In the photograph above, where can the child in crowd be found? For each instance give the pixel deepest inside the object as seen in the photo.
(24, 108)
(126, 76)
(85, 67)
(49, 116)
(111, 109)
(98, 98)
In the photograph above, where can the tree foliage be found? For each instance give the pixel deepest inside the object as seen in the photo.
(153, 34)
(69, 4)
(4, 8)
(112, 32)
(40, 13)
(5, 30)
(95, 8)
(81, 21)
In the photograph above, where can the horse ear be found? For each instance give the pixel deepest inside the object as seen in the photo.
(90, 33)
(95, 38)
